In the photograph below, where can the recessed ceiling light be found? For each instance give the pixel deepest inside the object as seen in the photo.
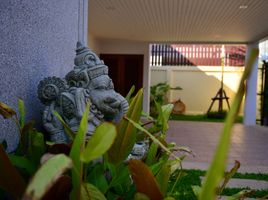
(243, 7)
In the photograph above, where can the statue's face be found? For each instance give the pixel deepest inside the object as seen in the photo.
(104, 97)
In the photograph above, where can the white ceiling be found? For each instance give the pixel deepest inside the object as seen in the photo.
(186, 21)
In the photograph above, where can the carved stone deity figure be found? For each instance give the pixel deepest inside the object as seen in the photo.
(87, 82)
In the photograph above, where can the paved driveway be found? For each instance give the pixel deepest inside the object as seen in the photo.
(249, 144)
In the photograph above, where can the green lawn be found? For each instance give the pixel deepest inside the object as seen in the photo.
(202, 118)
(184, 190)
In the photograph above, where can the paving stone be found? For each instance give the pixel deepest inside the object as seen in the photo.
(248, 143)
(246, 183)
(242, 169)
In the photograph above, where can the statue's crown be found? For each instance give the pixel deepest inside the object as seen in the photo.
(84, 56)
(88, 62)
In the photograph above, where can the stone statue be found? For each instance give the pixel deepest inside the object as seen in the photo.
(87, 82)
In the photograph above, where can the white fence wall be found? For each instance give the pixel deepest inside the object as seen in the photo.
(199, 84)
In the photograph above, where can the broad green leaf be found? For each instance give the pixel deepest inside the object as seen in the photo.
(153, 138)
(47, 176)
(25, 138)
(37, 146)
(144, 180)
(10, 179)
(151, 155)
(155, 168)
(67, 128)
(90, 192)
(23, 163)
(161, 123)
(141, 196)
(99, 143)
(22, 112)
(166, 111)
(6, 111)
(126, 132)
(78, 146)
(129, 94)
(97, 177)
(162, 177)
(121, 175)
(217, 167)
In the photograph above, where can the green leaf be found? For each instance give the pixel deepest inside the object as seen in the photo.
(163, 177)
(166, 111)
(99, 143)
(217, 167)
(129, 94)
(169, 198)
(78, 146)
(67, 128)
(23, 163)
(97, 177)
(25, 138)
(47, 176)
(161, 123)
(22, 112)
(37, 146)
(126, 132)
(10, 179)
(6, 111)
(121, 176)
(89, 191)
(155, 168)
(153, 138)
(151, 155)
(141, 196)
(144, 180)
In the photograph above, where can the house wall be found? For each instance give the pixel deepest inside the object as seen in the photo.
(38, 39)
(131, 47)
(199, 84)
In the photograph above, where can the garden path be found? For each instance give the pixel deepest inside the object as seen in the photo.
(249, 144)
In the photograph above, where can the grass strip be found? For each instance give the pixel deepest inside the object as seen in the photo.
(252, 176)
(201, 118)
(183, 190)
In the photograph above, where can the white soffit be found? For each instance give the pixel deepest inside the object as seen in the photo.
(186, 21)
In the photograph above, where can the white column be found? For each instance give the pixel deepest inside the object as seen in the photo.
(146, 78)
(251, 91)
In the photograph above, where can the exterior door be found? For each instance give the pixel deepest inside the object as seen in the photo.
(125, 71)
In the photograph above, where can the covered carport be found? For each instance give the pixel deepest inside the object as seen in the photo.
(130, 26)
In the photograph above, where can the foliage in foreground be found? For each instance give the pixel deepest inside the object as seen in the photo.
(99, 170)
(96, 169)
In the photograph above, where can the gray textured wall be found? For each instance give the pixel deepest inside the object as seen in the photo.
(37, 39)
